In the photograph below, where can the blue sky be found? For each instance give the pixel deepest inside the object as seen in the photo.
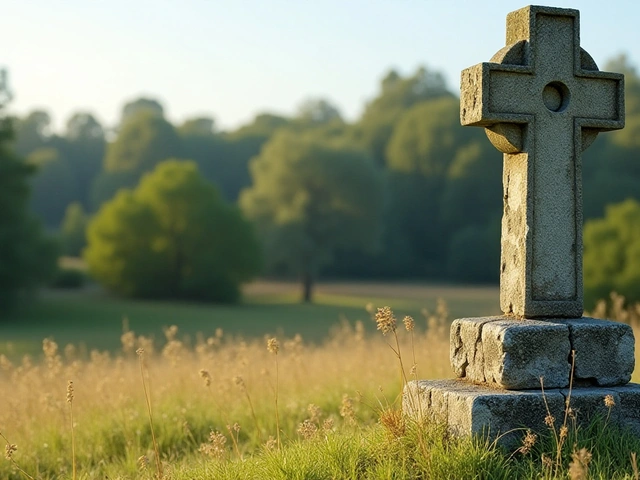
(233, 59)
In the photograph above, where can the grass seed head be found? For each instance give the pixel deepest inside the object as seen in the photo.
(579, 467)
(9, 449)
(216, 446)
(307, 429)
(69, 391)
(409, 323)
(564, 431)
(386, 320)
(549, 420)
(346, 410)
(49, 347)
(273, 346)
(328, 424)
(204, 374)
(143, 462)
(314, 412)
(170, 333)
(239, 381)
(528, 442)
(609, 402)
(393, 421)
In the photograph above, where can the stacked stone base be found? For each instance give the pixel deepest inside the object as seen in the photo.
(502, 363)
(492, 413)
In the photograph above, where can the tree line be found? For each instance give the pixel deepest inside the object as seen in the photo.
(402, 192)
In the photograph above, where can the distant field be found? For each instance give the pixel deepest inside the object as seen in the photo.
(94, 319)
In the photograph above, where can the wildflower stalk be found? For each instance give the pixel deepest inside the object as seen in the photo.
(386, 321)
(409, 324)
(240, 382)
(9, 449)
(273, 346)
(73, 440)
(140, 353)
(234, 433)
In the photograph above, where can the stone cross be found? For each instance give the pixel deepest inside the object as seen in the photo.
(542, 101)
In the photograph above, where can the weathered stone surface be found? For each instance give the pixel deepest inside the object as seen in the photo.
(479, 410)
(604, 350)
(518, 353)
(514, 354)
(542, 101)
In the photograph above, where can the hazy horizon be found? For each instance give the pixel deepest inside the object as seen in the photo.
(232, 60)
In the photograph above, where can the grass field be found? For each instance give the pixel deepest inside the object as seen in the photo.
(215, 406)
(92, 319)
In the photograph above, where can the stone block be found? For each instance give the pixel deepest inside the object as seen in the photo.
(514, 354)
(604, 350)
(491, 413)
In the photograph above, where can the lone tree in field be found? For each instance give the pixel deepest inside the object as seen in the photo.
(172, 237)
(310, 198)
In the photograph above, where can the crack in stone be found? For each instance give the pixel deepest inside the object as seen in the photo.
(571, 350)
(478, 346)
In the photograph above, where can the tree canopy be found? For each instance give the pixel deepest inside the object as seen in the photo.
(310, 198)
(442, 195)
(27, 257)
(612, 253)
(172, 237)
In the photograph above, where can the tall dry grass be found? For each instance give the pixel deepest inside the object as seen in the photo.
(183, 394)
(220, 398)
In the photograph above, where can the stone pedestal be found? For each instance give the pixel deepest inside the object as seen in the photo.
(495, 413)
(515, 354)
(501, 361)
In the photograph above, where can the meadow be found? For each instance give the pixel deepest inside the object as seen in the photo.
(258, 400)
(91, 319)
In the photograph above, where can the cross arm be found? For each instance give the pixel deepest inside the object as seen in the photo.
(481, 91)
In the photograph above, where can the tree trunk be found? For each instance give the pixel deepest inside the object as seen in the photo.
(307, 287)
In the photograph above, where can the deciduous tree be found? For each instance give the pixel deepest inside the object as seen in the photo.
(27, 257)
(310, 198)
(612, 253)
(172, 237)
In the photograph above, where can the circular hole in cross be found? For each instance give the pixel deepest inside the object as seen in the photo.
(555, 96)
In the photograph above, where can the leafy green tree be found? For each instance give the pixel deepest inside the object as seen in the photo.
(318, 111)
(426, 138)
(397, 94)
(142, 104)
(473, 191)
(214, 154)
(106, 184)
(311, 198)
(612, 253)
(173, 236)
(54, 185)
(611, 170)
(73, 230)
(474, 253)
(27, 257)
(85, 150)
(144, 140)
(436, 170)
(32, 132)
